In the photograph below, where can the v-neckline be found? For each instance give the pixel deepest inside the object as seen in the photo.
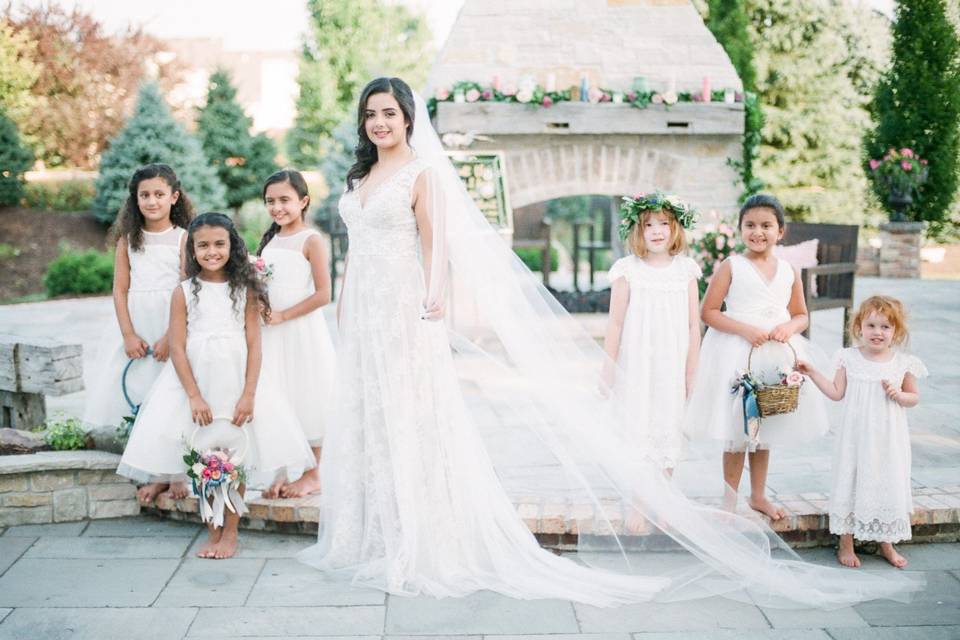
(763, 278)
(373, 190)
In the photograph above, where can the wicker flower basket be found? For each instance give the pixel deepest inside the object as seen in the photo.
(776, 399)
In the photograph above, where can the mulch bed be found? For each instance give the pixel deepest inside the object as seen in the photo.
(38, 235)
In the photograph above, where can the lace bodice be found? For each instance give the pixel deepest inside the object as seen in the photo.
(863, 370)
(212, 310)
(384, 225)
(676, 276)
(156, 266)
(752, 299)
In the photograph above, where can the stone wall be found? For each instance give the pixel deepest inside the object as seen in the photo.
(63, 486)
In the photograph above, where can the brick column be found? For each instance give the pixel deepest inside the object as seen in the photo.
(900, 253)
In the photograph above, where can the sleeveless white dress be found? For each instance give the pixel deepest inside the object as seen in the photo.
(715, 414)
(871, 496)
(411, 503)
(217, 352)
(650, 388)
(298, 353)
(154, 274)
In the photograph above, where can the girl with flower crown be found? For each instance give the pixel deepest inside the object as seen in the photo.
(653, 335)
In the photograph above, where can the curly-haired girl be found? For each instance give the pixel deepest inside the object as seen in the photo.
(871, 498)
(213, 380)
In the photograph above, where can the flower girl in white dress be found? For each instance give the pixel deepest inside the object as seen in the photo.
(212, 386)
(764, 306)
(653, 334)
(297, 348)
(148, 264)
(871, 497)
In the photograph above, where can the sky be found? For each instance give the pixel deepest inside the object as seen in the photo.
(248, 26)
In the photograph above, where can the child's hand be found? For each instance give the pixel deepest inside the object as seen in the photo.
(135, 346)
(161, 350)
(275, 317)
(244, 410)
(200, 411)
(891, 390)
(804, 367)
(755, 336)
(781, 333)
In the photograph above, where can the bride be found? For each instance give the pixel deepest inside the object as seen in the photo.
(414, 504)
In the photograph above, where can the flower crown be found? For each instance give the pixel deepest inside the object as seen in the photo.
(632, 209)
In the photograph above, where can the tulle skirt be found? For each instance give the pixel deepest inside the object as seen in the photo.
(164, 428)
(300, 357)
(715, 413)
(105, 404)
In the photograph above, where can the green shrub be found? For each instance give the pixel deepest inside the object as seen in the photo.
(533, 258)
(65, 434)
(65, 195)
(79, 272)
(8, 251)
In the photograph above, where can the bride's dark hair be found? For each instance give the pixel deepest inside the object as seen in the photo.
(365, 150)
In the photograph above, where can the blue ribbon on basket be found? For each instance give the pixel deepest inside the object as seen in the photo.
(747, 387)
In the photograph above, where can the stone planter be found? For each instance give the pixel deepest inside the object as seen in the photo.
(900, 253)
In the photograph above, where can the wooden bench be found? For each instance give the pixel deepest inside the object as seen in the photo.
(836, 267)
(31, 368)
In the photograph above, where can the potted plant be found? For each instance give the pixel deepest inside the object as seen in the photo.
(900, 174)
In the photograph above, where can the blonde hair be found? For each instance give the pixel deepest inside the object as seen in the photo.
(890, 308)
(678, 239)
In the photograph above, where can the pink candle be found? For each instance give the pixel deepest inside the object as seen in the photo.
(496, 83)
(705, 89)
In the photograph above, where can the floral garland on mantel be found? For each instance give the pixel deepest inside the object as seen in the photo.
(536, 95)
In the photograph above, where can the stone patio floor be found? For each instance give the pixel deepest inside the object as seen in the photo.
(138, 577)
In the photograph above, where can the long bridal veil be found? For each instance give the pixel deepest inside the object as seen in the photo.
(555, 441)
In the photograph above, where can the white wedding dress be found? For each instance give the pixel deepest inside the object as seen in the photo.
(412, 501)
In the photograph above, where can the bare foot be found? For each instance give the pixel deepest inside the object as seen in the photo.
(308, 483)
(149, 492)
(891, 555)
(178, 490)
(764, 506)
(845, 553)
(273, 491)
(226, 546)
(213, 537)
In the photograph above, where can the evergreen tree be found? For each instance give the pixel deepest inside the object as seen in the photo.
(152, 135)
(813, 90)
(15, 159)
(917, 104)
(224, 132)
(349, 43)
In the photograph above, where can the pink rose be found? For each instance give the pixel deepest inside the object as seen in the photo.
(923, 162)
(657, 99)
(228, 466)
(260, 264)
(472, 95)
(206, 473)
(794, 378)
(874, 164)
(631, 97)
(725, 229)
(509, 90)
(905, 165)
(721, 242)
(906, 152)
(488, 95)
(594, 95)
(547, 101)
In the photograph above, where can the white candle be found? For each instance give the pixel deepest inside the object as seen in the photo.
(729, 95)
(551, 82)
(458, 96)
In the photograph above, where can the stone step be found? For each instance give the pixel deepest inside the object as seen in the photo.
(936, 517)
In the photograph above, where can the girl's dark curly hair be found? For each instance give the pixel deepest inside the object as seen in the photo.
(365, 150)
(240, 273)
(295, 179)
(130, 220)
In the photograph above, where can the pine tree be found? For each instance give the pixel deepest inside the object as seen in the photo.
(349, 43)
(917, 104)
(152, 135)
(224, 132)
(15, 159)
